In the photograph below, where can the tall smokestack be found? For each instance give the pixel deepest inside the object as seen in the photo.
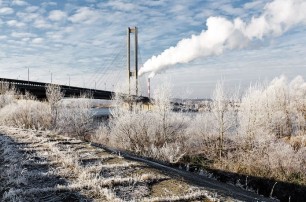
(149, 88)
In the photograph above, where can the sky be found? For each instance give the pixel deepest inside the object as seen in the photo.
(84, 42)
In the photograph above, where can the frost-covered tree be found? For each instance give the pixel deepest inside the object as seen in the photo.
(224, 110)
(54, 95)
(275, 109)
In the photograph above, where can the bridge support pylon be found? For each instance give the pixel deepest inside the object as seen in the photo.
(132, 74)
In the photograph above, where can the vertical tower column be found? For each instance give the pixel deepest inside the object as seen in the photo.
(134, 73)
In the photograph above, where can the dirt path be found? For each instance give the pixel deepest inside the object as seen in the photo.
(40, 166)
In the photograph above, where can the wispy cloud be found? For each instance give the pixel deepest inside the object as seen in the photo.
(42, 24)
(6, 11)
(15, 23)
(38, 40)
(85, 15)
(19, 2)
(57, 15)
(22, 34)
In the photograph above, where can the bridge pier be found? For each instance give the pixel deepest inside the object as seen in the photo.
(132, 74)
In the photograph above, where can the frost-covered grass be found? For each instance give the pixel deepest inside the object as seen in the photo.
(39, 166)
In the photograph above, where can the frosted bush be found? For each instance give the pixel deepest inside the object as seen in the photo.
(277, 160)
(74, 117)
(54, 95)
(26, 114)
(276, 109)
(172, 152)
(71, 117)
(150, 133)
(7, 94)
(203, 136)
(102, 135)
(7, 98)
(145, 133)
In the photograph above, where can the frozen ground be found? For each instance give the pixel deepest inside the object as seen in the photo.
(41, 166)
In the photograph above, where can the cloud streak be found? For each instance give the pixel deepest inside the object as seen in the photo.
(6, 11)
(222, 34)
(57, 15)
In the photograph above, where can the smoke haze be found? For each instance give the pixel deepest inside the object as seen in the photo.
(222, 34)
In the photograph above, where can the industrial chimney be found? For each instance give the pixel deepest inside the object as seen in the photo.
(149, 88)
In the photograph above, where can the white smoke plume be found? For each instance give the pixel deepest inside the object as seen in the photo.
(222, 34)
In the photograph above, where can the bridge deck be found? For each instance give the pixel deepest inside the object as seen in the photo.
(38, 89)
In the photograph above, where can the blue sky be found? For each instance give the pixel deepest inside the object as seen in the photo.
(80, 39)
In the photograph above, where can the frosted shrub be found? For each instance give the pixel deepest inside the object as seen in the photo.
(277, 160)
(145, 133)
(276, 109)
(74, 117)
(269, 117)
(26, 114)
(286, 163)
(7, 94)
(203, 136)
(132, 130)
(297, 104)
(169, 152)
(54, 95)
(261, 135)
(102, 135)
(7, 98)
(159, 133)
(169, 125)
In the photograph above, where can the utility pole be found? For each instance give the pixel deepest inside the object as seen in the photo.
(28, 75)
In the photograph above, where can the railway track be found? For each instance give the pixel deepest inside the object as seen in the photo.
(210, 184)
